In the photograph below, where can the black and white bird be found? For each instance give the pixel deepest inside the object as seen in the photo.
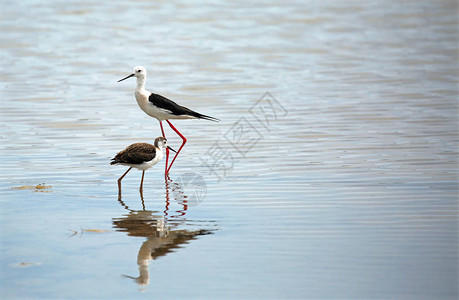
(141, 156)
(162, 109)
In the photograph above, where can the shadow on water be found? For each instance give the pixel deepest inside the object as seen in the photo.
(166, 231)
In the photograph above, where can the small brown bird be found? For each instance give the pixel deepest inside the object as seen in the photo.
(141, 156)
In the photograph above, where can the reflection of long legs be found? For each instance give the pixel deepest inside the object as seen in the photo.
(185, 208)
(180, 197)
(183, 144)
(122, 202)
(167, 150)
(166, 209)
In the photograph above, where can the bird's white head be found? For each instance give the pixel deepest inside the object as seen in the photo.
(140, 72)
(161, 142)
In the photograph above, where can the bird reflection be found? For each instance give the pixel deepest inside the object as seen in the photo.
(165, 230)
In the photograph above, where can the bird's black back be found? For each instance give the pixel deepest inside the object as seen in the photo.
(176, 109)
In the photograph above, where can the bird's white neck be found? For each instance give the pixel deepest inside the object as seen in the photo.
(140, 84)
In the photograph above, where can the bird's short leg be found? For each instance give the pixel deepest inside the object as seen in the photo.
(167, 150)
(121, 178)
(183, 144)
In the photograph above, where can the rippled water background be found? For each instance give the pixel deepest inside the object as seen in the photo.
(345, 187)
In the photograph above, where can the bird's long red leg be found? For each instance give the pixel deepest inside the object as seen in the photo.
(167, 150)
(183, 144)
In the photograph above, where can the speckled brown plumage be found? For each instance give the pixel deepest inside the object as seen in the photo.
(135, 154)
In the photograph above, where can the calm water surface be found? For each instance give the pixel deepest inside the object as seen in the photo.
(341, 182)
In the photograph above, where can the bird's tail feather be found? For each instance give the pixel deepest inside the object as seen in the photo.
(205, 117)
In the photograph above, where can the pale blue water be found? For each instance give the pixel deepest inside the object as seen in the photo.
(342, 182)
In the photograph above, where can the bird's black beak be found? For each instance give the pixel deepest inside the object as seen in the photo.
(171, 149)
(126, 77)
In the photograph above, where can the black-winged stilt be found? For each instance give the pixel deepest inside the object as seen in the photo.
(141, 156)
(161, 108)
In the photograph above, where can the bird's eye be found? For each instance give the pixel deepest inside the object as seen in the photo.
(138, 71)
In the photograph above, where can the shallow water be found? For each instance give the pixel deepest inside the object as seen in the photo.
(332, 174)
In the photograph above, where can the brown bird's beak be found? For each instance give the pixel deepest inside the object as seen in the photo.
(171, 149)
(126, 77)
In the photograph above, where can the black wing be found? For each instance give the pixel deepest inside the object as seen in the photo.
(176, 109)
(135, 154)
